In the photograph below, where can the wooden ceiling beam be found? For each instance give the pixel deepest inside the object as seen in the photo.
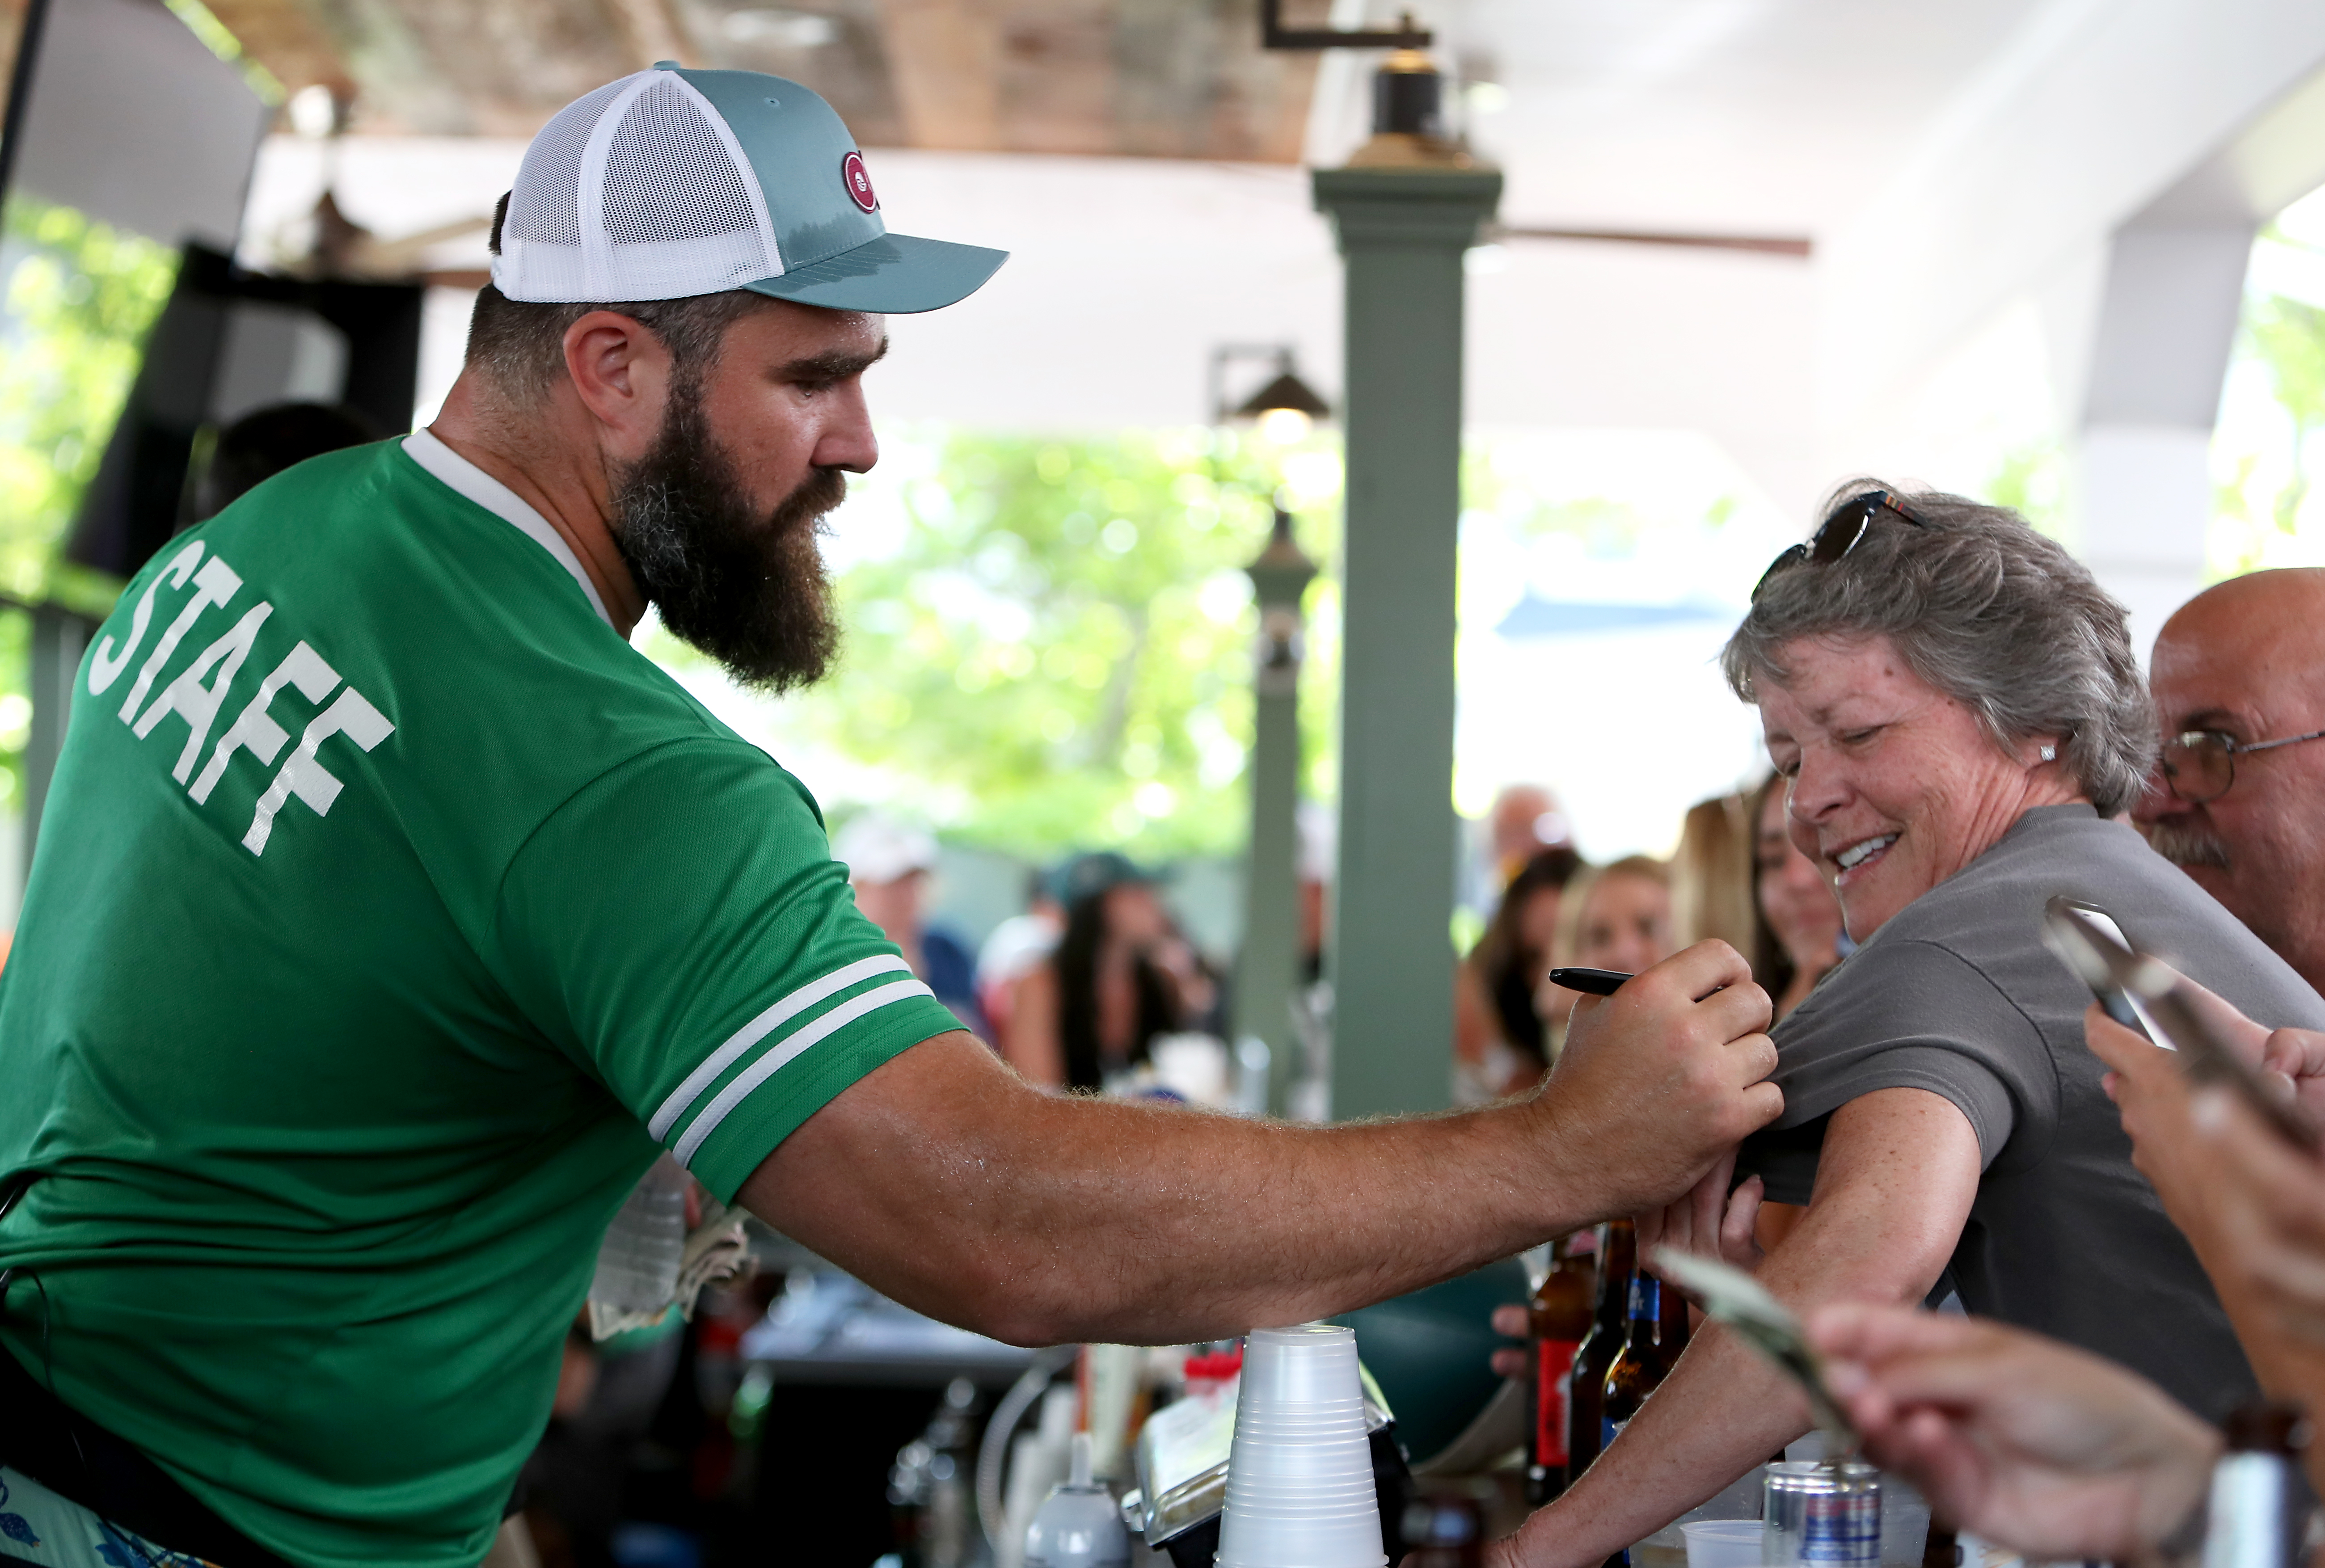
(944, 57)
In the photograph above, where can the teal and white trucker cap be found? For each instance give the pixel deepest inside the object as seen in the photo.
(671, 183)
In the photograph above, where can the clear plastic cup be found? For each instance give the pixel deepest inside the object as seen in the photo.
(1722, 1543)
(1300, 1489)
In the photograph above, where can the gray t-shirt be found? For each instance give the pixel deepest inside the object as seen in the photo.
(1958, 995)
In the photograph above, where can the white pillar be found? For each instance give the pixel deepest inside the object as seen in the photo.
(2167, 318)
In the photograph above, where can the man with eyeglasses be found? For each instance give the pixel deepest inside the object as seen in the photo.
(2238, 802)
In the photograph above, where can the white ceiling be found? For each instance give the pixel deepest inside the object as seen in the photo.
(1759, 116)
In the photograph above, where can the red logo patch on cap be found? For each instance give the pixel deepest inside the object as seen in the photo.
(859, 182)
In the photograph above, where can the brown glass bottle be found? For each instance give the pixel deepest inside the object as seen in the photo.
(1558, 1319)
(1618, 1261)
(1639, 1367)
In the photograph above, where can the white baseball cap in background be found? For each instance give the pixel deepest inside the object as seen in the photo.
(672, 182)
(878, 850)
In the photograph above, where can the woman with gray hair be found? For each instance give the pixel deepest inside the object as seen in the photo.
(1954, 706)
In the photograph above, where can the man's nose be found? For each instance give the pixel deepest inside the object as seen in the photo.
(846, 440)
(2158, 803)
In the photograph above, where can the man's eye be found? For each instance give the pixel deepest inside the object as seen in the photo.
(1787, 766)
(1859, 737)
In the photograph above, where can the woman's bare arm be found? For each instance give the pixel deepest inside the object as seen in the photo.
(1895, 1182)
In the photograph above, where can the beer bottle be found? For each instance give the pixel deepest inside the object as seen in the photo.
(1558, 1317)
(1618, 1260)
(1672, 1327)
(1640, 1366)
(2255, 1518)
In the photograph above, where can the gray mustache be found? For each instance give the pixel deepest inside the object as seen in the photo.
(2184, 846)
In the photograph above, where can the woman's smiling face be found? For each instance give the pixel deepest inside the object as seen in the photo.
(1893, 785)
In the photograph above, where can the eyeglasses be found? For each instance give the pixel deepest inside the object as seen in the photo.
(1840, 533)
(2199, 765)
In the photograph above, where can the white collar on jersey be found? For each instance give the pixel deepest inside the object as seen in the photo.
(431, 454)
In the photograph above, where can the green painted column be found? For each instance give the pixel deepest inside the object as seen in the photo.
(1267, 967)
(1403, 231)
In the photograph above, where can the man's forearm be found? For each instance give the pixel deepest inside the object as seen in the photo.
(1136, 1223)
(943, 1179)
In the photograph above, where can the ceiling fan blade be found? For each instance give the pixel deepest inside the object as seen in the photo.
(1760, 244)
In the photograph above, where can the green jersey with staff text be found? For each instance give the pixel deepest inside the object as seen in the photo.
(389, 913)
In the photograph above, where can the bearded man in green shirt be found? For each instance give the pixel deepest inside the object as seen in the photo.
(391, 915)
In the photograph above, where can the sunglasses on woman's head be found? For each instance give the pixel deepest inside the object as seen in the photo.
(1839, 533)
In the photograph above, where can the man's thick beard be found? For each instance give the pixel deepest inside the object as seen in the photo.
(2186, 846)
(747, 589)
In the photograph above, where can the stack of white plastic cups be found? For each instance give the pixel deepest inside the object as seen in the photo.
(1300, 1478)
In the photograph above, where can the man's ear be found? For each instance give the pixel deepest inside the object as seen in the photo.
(621, 372)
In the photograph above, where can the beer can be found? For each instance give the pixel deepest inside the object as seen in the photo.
(1822, 1514)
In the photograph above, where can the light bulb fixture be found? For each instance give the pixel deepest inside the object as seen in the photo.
(1285, 409)
(1284, 426)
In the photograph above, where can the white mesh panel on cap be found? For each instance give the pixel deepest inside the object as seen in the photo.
(636, 192)
(667, 176)
(545, 204)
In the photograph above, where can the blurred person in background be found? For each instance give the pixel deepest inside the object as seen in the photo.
(1711, 876)
(261, 444)
(1956, 708)
(2238, 800)
(1525, 819)
(890, 867)
(1797, 936)
(1617, 916)
(1015, 948)
(1319, 848)
(1739, 875)
(1120, 975)
(1499, 1043)
(1795, 943)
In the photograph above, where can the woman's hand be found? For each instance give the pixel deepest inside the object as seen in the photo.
(2298, 1055)
(1710, 1221)
(2293, 1058)
(2252, 1205)
(1515, 1363)
(2026, 1442)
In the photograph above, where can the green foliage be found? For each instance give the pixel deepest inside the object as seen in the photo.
(76, 299)
(2031, 479)
(2288, 338)
(1059, 656)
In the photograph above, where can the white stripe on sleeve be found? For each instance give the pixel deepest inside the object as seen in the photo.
(758, 1028)
(767, 1066)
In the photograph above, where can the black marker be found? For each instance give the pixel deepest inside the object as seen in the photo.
(1591, 982)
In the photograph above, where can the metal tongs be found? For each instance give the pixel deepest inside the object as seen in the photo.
(2162, 999)
(1735, 1298)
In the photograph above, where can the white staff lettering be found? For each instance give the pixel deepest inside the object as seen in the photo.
(302, 776)
(196, 703)
(214, 583)
(256, 733)
(105, 666)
